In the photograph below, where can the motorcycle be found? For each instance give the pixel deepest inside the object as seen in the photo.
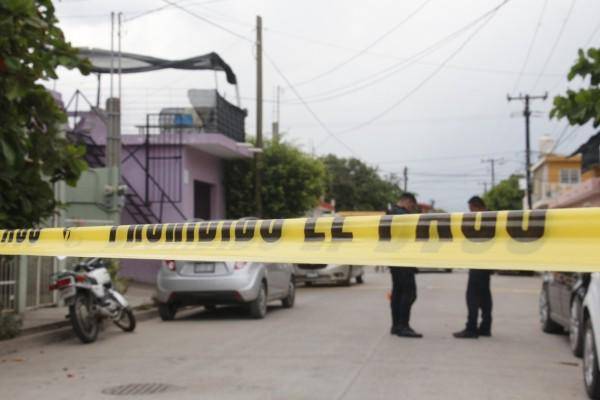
(88, 292)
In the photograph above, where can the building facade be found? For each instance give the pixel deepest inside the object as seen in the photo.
(552, 175)
(173, 167)
(587, 192)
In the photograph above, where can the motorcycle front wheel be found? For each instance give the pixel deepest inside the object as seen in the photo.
(84, 321)
(126, 320)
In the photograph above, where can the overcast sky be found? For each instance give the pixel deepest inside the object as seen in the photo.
(416, 83)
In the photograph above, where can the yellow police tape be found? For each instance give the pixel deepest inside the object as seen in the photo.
(559, 240)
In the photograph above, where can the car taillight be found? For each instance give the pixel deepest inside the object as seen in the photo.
(80, 278)
(239, 265)
(170, 265)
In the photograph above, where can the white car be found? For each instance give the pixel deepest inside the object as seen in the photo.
(328, 274)
(591, 337)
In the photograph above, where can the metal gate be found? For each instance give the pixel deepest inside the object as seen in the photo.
(39, 270)
(8, 283)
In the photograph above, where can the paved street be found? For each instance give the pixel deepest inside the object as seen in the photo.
(335, 344)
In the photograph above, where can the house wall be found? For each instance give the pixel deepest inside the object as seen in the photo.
(195, 165)
(133, 171)
(555, 166)
(546, 178)
(585, 194)
(207, 168)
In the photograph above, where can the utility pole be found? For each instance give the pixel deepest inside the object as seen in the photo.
(276, 119)
(405, 173)
(527, 114)
(113, 140)
(493, 162)
(485, 188)
(259, 123)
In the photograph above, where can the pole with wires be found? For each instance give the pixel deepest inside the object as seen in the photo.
(112, 50)
(119, 22)
(527, 114)
(493, 162)
(259, 122)
(275, 124)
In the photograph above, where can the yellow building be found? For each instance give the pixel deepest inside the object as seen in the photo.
(552, 175)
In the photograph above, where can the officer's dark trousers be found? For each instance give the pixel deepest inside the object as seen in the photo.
(404, 294)
(479, 297)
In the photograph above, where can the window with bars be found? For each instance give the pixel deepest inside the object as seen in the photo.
(569, 175)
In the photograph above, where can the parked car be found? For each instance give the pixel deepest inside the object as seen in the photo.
(249, 284)
(591, 337)
(329, 274)
(561, 305)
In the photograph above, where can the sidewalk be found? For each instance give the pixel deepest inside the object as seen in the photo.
(47, 325)
(138, 295)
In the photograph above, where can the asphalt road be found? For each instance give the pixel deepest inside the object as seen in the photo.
(335, 344)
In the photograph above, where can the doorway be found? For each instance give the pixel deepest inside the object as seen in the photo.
(202, 197)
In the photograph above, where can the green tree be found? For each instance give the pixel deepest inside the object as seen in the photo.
(506, 195)
(292, 183)
(33, 152)
(583, 105)
(356, 186)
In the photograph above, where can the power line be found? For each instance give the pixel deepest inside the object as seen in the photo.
(308, 108)
(491, 13)
(447, 175)
(208, 21)
(587, 43)
(478, 155)
(593, 35)
(366, 48)
(555, 44)
(566, 138)
(188, 3)
(385, 73)
(537, 29)
(393, 57)
(277, 69)
(560, 136)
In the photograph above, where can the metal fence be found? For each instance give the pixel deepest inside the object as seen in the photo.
(8, 283)
(39, 270)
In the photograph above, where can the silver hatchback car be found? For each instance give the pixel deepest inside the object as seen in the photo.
(251, 284)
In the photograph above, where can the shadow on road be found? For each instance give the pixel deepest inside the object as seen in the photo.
(220, 313)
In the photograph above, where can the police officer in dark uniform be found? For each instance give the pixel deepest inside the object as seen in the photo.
(404, 287)
(479, 295)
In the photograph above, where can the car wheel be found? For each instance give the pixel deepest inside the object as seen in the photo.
(308, 283)
(575, 328)
(348, 280)
(360, 280)
(258, 307)
(548, 325)
(167, 311)
(288, 301)
(591, 375)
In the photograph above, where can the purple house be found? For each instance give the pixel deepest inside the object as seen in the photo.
(173, 165)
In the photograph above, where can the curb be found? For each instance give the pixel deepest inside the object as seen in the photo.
(60, 331)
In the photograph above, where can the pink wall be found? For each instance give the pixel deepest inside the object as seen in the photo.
(207, 168)
(585, 194)
(196, 165)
